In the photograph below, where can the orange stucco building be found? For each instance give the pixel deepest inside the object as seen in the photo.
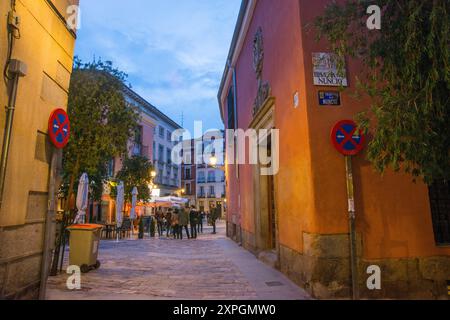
(297, 219)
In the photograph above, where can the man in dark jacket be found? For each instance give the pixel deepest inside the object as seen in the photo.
(184, 221)
(193, 221)
(168, 222)
(177, 231)
(160, 222)
(214, 215)
(201, 217)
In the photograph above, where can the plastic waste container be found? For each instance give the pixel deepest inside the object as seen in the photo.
(84, 242)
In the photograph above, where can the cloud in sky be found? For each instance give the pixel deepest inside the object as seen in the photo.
(174, 51)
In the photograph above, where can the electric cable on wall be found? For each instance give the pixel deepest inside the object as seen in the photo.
(11, 37)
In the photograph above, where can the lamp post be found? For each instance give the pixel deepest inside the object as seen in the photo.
(151, 185)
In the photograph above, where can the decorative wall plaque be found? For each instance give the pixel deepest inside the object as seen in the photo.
(264, 89)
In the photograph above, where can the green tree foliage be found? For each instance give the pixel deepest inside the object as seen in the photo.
(136, 172)
(407, 75)
(101, 122)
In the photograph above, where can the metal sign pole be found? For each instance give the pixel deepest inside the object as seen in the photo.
(49, 222)
(352, 218)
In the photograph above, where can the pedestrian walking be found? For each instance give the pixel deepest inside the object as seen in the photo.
(194, 217)
(176, 225)
(168, 222)
(201, 217)
(184, 222)
(213, 215)
(160, 222)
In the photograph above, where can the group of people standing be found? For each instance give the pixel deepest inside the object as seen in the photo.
(175, 220)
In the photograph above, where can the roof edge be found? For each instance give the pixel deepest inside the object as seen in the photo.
(151, 107)
(237, 31)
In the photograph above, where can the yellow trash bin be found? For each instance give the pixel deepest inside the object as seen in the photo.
(84, 243)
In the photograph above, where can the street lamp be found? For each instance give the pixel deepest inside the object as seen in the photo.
(213, 161)
(153, 174)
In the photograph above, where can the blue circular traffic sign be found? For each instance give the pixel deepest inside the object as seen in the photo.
(59, 128)
(347, 139)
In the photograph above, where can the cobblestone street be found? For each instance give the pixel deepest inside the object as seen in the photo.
(211, 267)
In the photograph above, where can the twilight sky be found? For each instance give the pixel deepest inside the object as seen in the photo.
(174, 51)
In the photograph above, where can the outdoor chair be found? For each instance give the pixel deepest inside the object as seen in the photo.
(125, 229)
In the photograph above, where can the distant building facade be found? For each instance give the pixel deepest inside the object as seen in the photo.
(204, 182)
(189, 172)
(210, 190)
(152, 140)
(155, 143)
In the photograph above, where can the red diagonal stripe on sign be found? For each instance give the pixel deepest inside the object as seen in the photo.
(61, 126)
(348, 137)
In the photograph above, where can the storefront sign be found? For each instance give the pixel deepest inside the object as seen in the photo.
(325, 69)
(329, 98)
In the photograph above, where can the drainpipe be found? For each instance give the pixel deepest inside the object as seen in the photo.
(17, 69)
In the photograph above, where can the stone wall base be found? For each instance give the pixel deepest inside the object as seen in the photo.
(249, 242)
(323, 270)
(20, 261)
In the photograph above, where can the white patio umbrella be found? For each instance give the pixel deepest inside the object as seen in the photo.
(82, 199)
(119, 204)
(133, 216)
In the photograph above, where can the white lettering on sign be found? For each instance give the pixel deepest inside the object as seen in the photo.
(326, 71)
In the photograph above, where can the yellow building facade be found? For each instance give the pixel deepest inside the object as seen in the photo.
(45, 44)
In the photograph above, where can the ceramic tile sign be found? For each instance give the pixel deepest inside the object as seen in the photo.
(325, 69)
(329, 98)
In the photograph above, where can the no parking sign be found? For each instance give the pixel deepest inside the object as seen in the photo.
(59, 128)
(347, 139)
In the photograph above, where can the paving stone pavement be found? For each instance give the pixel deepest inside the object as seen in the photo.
(211, 267)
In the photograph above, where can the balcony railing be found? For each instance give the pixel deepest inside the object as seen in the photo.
(201, 181)
(211, 180)
(212, 196)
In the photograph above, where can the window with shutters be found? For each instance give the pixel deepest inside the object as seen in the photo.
(440, 210)
(231, 115)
